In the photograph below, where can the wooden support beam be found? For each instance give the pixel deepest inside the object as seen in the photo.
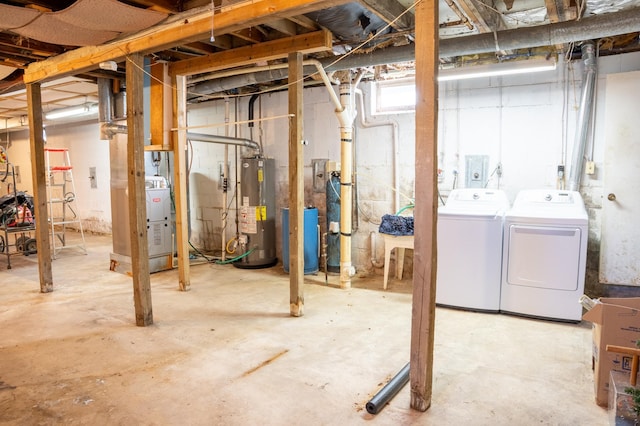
(180, 180)
(247, 55)
(304, 22)
(284, 26)
(251, 35)
(38, 175)
(425, 212)
(389, 10)
(477, 15)
(186, 28)
(137, 193)
(296, 186)
(161, 112)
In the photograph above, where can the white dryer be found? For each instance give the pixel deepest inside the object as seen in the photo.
(470, 227)
(545, 251)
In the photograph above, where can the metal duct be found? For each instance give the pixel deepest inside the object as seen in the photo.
(351, 23)
(584, 114)
(105, 100)
(595, 27)
(200, 137)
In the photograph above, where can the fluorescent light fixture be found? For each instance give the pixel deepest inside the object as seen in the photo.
(73, 111)
(493, 70)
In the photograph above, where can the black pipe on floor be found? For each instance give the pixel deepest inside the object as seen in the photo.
(388, 391)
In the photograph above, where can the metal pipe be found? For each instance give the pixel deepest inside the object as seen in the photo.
(247, 143)
(390, 390)
(584, 115)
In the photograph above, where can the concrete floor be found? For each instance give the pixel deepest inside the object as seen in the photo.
(228, 353)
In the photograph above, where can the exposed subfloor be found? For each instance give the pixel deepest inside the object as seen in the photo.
(228, 353)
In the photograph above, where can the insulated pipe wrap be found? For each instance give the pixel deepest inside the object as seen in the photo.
(390, 390)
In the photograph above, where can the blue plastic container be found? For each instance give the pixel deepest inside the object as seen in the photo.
(311, 240)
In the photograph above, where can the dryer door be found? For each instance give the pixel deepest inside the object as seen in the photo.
(544, 256)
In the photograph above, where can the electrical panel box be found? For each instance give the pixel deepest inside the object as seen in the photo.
(477, 168)
(318, 167)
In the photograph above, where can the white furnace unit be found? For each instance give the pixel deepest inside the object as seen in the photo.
(470, 227)
(545, 250)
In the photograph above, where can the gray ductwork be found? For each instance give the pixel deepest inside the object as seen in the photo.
(599, 26)
(584, 114)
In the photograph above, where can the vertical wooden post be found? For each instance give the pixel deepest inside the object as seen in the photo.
(137, 192)
(36, 141)
(180, 182)
(425, 212)
(160, 116)
(296, 187)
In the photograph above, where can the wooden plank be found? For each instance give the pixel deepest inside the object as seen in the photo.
(477, 15)
(161, 115)
(182, 28)
(284, 26)
(389, 10)
(137, 193)
(296, 186)
(425, 212)
(180, 181)
(305, 43)
(38, 175)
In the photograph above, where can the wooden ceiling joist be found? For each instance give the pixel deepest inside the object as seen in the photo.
(304, 43)
(389, 10)
(184, 28)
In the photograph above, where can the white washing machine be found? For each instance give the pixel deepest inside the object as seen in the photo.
(545, 251)
(470, 227)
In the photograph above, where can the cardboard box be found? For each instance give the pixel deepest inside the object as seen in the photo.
(616, 321)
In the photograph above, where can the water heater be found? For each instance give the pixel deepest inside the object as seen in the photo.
(257, 214)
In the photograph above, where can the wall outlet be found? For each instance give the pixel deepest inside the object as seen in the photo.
(92, 177)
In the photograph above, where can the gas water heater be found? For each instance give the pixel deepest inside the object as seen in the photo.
(257, 214)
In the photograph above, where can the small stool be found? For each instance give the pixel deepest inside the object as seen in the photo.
(400, 242)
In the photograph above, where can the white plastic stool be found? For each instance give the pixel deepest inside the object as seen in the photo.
(400, 242)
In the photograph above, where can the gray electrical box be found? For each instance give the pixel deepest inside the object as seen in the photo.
(477, 168)
(318, 167)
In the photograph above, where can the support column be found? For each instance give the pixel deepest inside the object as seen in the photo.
(425, 212)
(137, 191)
(180, 182)
(296, 187)
(36, 141)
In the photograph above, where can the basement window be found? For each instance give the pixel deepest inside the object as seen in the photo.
(394, 96)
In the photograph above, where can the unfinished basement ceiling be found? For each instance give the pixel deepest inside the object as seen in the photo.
(32, 31)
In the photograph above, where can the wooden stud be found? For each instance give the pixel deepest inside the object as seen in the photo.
(38, 170)
(247, 55)
(425, 212)
(180, 181)
(137, 192)
(296, 186)
(161, 115)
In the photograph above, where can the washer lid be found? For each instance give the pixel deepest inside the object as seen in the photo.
(548, 203)
(475, 201)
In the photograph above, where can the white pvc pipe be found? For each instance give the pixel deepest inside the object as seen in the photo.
(225, 213)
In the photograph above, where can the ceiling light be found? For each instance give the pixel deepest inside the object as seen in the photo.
(493, 70)
(73, 111)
